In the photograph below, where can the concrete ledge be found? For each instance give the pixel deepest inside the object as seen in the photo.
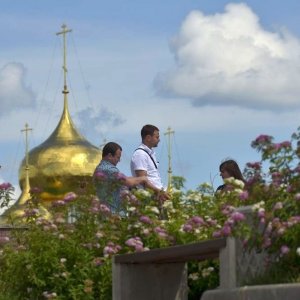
(257, 292)
(161, 274)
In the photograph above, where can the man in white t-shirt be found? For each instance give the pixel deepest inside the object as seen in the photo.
(144, 162)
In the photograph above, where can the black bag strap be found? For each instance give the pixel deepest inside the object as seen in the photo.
(149, 156)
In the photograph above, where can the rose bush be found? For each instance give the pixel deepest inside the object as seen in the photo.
(69, 255)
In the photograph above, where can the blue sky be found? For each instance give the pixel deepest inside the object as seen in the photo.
(219, 73)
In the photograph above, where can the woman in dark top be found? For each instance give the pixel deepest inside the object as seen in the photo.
(229, 168)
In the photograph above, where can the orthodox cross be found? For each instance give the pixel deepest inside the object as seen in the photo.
(168, 133)
(26, 130)
(64, 31)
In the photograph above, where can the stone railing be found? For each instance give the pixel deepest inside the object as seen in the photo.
(162, 273)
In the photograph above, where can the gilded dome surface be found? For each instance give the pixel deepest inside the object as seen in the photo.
(63, 163)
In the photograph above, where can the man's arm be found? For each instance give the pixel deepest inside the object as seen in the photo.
(134, 181)
(161, 193)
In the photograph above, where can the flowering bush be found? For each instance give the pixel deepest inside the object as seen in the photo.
(6, 193)
(68, 256)
(274, 189)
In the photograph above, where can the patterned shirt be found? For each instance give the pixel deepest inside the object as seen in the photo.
(108, 183)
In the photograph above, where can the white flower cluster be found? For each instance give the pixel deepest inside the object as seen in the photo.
(143, 192)
(258, 206)
(153, 209)
(206, 272)
(168, 204)
(194, 276)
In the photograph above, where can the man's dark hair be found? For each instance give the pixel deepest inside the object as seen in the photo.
(148, 130)
(111, 148)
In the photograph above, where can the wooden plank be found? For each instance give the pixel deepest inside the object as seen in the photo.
(180, 253)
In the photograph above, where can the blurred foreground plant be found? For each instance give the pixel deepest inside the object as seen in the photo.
(69, 255)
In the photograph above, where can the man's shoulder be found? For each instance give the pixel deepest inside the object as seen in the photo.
(106, 166)
(139, 153)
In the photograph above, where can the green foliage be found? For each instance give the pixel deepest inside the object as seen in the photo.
(202, 276)
(178, 182)
(68, 256)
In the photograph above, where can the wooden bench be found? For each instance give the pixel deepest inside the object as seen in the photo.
(161, 274)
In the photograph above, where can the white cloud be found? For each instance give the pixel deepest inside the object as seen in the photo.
(97, 121)
(213, 119)
(13, 91)
(229, 58)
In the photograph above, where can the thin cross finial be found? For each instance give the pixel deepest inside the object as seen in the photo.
(168, 133)
(26, 130)
(64, 31)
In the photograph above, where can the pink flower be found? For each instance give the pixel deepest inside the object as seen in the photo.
(226, 230)
(276, 221)
(4, 239)
(94, 209)
(31, 212)
(70, 197)
(217, 234)
(284, 249)
(278, 206)
(254, 165)
(161, 232)
(267, 242)
(263, 138)
(227, 209)
(97, 261)
(286, 144)
(197, 220)
(104, 208)
(261, 213)
(131, 242)
(125, 195)
(237, 216)
(5, 186)
(262, 220)
(99, 175)
(281, 231)
(135, 242)
(268, 228)
(211, 222)
(146, 231)
(35, 190)
(294, 220)
(108, 250)
(139, 248)
(244, 195)
(187, 228)
(120, 176)
(58, 203)
(145, 219)
(111, 249)
(277, 146)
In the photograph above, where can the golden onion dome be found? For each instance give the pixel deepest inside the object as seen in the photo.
(66, 160)
(63, 163)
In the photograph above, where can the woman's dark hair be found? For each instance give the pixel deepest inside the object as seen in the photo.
(232, 168)
(111, 148)
(148, 130)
